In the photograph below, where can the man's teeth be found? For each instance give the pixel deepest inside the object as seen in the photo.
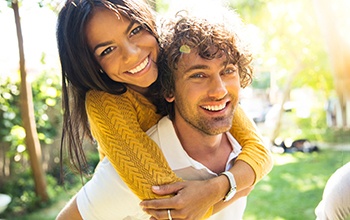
(215, 107)
(139, 67)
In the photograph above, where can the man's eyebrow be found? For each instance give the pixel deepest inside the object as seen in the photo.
(196, 67)
(201, 67)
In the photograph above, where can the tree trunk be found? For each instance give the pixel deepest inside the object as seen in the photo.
(286, 93)
(27, 112)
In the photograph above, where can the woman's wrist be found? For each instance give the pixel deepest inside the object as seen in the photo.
(244, 175)
(220, 185)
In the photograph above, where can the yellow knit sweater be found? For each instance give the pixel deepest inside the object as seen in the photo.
(118, 123)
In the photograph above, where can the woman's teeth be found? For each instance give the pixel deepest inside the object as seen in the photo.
(214, 107)
(139, 67)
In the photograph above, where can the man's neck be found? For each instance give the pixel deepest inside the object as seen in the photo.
(210, 150)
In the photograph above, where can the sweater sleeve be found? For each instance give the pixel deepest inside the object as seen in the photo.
(253, 152)
(118, 123)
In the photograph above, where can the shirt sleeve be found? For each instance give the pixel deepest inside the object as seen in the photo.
(105, 196)
(253, 152)
(118, 123)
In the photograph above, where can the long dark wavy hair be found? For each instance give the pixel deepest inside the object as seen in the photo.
(81, 72)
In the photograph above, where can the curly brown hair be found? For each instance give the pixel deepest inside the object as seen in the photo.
(186, 33)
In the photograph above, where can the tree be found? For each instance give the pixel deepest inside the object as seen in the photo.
(334, 23)
(292, 48)
(32, 140)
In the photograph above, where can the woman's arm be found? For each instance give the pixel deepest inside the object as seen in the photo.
(254, 153)
(118, 123)
(70, 211)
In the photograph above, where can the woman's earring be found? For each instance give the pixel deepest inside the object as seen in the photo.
(101, 71)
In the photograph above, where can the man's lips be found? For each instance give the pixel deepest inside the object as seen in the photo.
(215, 107)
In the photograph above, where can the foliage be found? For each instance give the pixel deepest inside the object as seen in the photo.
(24, 200)
(313, 128)
(53, 5)
(162, 6)
(10, 118)
(290, 38)
(47, 99)
(338, 135)
(291, 44)
(46, 96)
(21, 188)
(294, 187)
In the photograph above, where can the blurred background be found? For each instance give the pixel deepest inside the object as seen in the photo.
(299, 99)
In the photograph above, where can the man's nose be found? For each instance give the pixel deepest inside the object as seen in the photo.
(217, 88)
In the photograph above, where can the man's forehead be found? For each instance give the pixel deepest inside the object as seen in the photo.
(186, 60)
(192, 60)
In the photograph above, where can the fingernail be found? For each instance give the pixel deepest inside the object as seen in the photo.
(155, 187)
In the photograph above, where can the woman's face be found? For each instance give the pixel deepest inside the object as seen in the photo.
(125, 50)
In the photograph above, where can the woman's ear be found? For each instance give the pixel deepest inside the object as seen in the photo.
(170, 98)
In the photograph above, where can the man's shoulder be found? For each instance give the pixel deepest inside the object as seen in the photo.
(153, 132)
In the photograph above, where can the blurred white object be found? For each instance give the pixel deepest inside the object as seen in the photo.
(4, 201)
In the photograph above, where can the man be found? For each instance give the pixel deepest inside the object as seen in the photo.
(204, 68)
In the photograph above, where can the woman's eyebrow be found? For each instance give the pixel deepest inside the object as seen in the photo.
(103, 44)
(129, 27)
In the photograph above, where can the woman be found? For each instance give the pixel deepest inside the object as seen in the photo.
(107, 69)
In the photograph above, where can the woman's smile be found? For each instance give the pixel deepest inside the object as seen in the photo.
(140, 67)
(126, 50)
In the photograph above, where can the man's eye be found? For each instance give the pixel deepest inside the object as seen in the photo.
(136, 30)
(230, 70)
(107, 51)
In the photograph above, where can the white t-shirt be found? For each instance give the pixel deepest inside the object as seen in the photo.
(107, 197)
(335, 204)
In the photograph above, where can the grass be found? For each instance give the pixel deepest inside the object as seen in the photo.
(291, 191)
(294, 187)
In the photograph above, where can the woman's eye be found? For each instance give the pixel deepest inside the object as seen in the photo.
(136, 30)
(197, 75)
(107, 51)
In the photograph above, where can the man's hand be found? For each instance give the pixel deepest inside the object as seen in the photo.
(192, 200)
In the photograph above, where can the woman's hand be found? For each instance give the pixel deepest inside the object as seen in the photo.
(192, 199)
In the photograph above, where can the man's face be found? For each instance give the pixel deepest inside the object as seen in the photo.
(206, 93)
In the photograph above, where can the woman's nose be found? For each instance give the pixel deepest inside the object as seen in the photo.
(130, 52)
